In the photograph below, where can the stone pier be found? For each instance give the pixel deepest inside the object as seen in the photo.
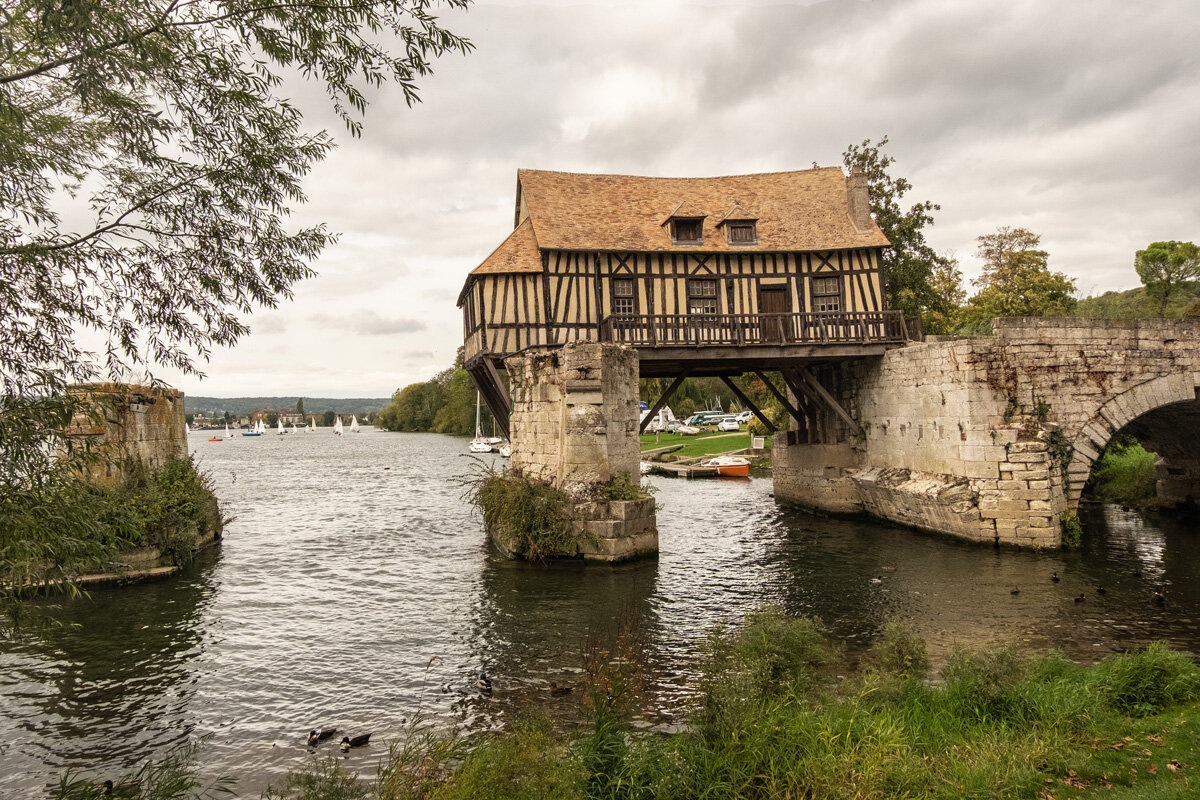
(128, 422)
(574, 425)
(993, 438)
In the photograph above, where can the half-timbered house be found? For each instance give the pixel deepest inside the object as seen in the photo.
(704, 276)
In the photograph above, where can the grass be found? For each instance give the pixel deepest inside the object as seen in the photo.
(700, 444)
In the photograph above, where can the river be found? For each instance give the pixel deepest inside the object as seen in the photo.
(355, 588)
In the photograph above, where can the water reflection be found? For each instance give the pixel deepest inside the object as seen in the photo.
(356, 589)
(71, 707)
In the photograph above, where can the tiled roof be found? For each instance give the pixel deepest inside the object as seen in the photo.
(802, 210)
(517, 253)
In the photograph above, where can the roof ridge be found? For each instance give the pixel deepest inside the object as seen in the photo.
(521, 170)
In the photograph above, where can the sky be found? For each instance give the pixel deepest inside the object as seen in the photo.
(1077, 119)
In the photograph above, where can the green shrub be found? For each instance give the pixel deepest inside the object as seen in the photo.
(1143, 683)
(984, 685)
(900, 653)
(1072, 530)
(1126, 474)
(621, 487)
(532, 518)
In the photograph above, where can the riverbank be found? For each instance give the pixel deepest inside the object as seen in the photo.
(780, 713)
(72, 533)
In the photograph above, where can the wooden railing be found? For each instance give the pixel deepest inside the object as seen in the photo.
(702, 330)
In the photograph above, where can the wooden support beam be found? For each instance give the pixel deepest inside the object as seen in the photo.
(662, 401)
(829, 399)
(489, 386)
(812, 428)
(782, 398)
(770, 426)
(494, 375)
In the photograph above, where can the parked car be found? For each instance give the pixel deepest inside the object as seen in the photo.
(745, 416)
(703, 418)
(729, 424)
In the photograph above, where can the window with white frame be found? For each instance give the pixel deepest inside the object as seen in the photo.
(702, 297)
(624, 298)
(827, 293)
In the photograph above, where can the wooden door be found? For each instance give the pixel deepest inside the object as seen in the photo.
(775, 305)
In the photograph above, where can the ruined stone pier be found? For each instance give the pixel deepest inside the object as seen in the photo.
(574, 425)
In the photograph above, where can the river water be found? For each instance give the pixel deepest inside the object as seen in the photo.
(355, 588)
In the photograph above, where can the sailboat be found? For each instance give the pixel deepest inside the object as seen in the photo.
(254, 429)
(228, 434)
(312, 425)
(279, 423)
(354, 424)
(293, 430)
(478, 444)
(337, 426)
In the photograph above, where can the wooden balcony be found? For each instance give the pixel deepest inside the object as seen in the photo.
(717, 342)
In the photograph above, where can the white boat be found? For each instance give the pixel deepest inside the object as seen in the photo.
(354, 424)
(262, 427)
(279, 423)
(293, 430)
(506, 450)
(312, 425)
(228, 435)
(337, 426)
(478, 444)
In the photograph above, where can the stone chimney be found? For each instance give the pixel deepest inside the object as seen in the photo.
(859, 200)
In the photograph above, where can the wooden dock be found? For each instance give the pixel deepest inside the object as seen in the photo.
(678, 470)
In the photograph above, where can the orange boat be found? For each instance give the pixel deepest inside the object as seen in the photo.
(729, 466)
(216, 438)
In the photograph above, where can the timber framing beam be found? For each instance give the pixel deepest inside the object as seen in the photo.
(662, 401)
(782, 398)
(766, 421)
(828, 399)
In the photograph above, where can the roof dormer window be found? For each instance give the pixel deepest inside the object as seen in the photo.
(687, 231)
(741, 232)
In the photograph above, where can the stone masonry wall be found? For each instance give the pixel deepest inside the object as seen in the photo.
(131, 422)
(993, 438)
(575, 414)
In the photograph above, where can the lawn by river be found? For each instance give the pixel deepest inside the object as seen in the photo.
(700, 444)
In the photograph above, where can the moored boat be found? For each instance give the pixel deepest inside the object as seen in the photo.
(729, 466)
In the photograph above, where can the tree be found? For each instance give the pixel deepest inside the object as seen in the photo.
(327, 419)
(910, 262)
(1166, 266)
(1016, 280)
(300, 406)
(150, 159)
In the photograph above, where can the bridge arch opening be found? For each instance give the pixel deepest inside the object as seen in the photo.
(1163, 416)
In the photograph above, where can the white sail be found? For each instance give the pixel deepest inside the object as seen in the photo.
(294, 428)
(312, 425)
(478, 444)
(279, 425)
(228, 435)
(337, 426)
(354, 424)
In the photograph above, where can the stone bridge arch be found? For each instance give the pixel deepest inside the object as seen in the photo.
(970, 435)
(1163, 413)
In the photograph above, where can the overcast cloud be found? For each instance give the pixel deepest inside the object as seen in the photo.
(1077, 120)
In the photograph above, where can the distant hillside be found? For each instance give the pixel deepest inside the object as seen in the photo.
(312, 405)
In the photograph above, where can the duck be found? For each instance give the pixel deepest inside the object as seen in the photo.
(876, 580)
(1079, 599)
(125, 788)
(1015, 590)
(315, 736)
(484, 683)
(1101, 590)
(1054, 577)
(558, 691)
(1158, 598)
(356, 741)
